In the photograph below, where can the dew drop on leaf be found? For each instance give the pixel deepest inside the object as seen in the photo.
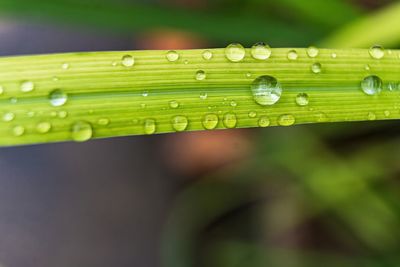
(173, 104)
(312, 51)
(128, 61)
(286, 120)
(172, 56)
(302, 99)
(377, 52)
(316, 68)
(372, 85)
(103, 121)
(292, 55)
(371, 116)
(18, 130)
(261, 51)
(266, 90)
(252, 114)
(207, 55)
(27, 86)
(210, 121)
(81, 131)
(230, 120)
(180, 123)
(8, 116)
(200, 75)
(264, 121)
(58, 98)
(150, 126)
(235, 52)
(43, 127)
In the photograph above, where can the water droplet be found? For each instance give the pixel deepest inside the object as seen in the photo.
(186, 62)
(266, 90)
(377, 52)
(27, 86)
(292, 55)
(150, 126)
(312, 51)
(179, 123)
(207, 55)
(173, 104)
(392, 86)
(18, 130)
(114, 63)
(210, 121)
(252, 114)
(65, 66)
(172, 56)
(145, 93)
(334, 55)
(386, 113)
(13, 100)
(235, 52)
(203, 96)
(43, 127)
(248, 75)
(302, 99)
(103, 121)
(261, 51)
(371, 116)
(316, 68)
(286, 120)
(1, 90)
(62, 114)
(9, 116)
(264, 121)
(321, 117)
(230, 120)
(58, 98)
(367, 67)
(372, 85)
(81, 131)
(128, 61)
(200, 75)
(233, 104)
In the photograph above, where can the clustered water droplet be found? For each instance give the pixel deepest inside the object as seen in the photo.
(235, 52)
(266, 90)
(261, 51)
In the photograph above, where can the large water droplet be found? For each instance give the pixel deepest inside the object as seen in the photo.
(302, 99)
(172, 56)
(312, 51)
(230, 120)
(27, 86)
(316, 68)
(286, 120)
(18, 130)
(150, 126)
(58, 98)
(372, 85)
(264, 121)
(266, 90)
(292, 55)
(8, 116)
(81, 131)
(179, 123)
(43, 127)
(207, 55)
(235, 52)
(261, 51)
(200, 75)
(128, 61)
(210, 121)
(377, 52)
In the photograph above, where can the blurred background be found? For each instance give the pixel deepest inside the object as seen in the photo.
(316, 195)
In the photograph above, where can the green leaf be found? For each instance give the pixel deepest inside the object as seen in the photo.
(106, 98)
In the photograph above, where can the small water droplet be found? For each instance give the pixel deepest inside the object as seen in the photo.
(248, 75)
(207, 55)
(367, 67)
(27, 86)
(173, 104)
(266, 90)
(62, 114)
(386, 113)
(252, 114)
(302, 99)
(292, 55)
(371, 116)
(150, 126)
(286, 120)
(230, 120)
(316, 68)
(377, 52)
(8, 116)
(65, 66)
(1, 90)
(81, 131)
(235, 52)
(18, 130)
(312, 51)
(55, 79)
(334, 55)
(372, 85)
(58, 98)
(145, 93)
(233, 104)
(264, 121)
(114, 63)
(13, 100)
(172, 56)
(392, 86)
(103, 121)
(261, 51)
(128, 61)
(200, 75)
(321, 117)
(186, 62)
(30, 114)
(210, 121)
(203, 96)
(43, 127)
(180, 123)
